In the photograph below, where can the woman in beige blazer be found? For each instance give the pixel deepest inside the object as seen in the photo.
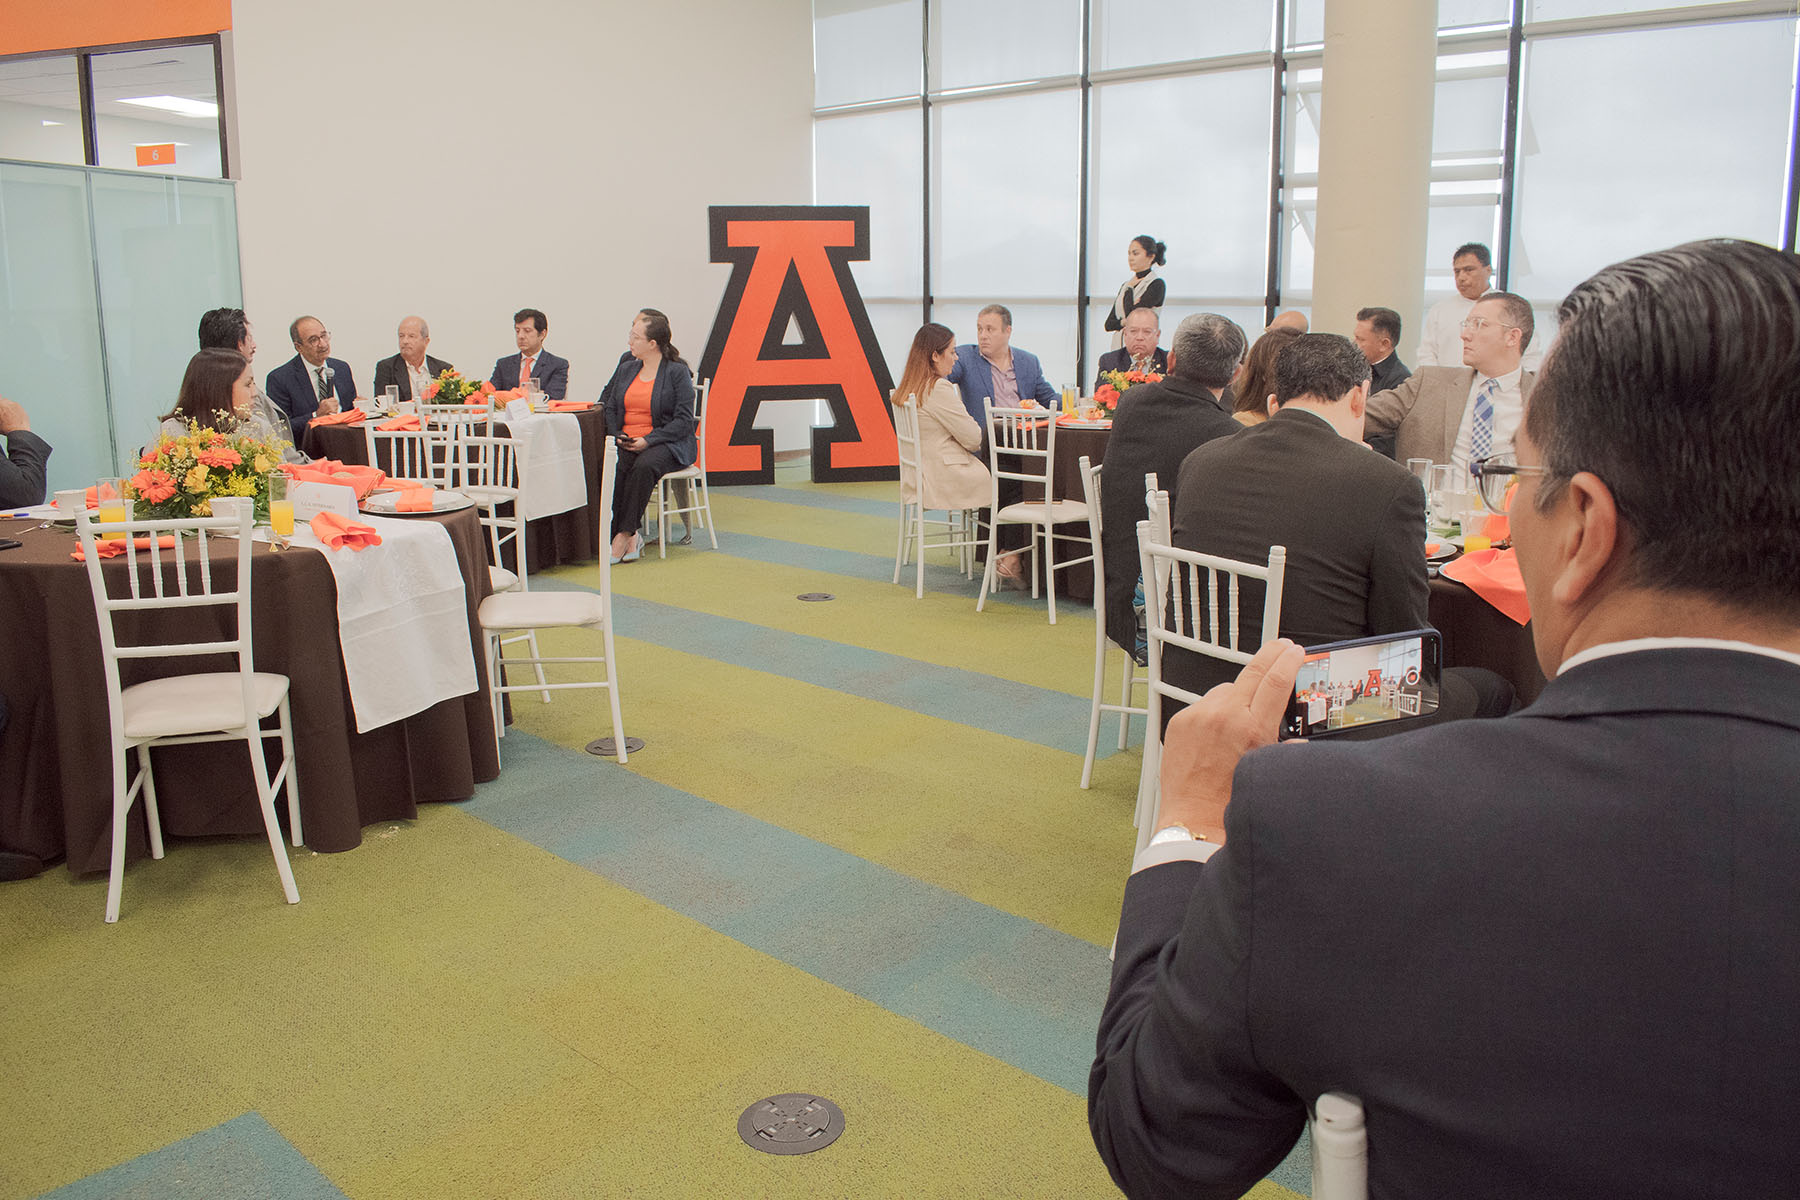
(948, 437)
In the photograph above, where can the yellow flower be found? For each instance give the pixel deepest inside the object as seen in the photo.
(196, 480)
(264, 464)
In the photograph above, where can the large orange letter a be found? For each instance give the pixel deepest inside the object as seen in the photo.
(792, 264)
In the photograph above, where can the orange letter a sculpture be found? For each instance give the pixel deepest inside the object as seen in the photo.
(791, 267)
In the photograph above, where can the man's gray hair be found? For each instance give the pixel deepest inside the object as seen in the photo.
(294, 327)
(424, 329)
(1207, 349)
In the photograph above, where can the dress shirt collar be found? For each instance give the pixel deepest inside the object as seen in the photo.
(1635, 645)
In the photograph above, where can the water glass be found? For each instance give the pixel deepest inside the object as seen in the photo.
(393, 396)
(1448, 484)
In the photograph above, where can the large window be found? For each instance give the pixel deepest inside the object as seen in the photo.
(1009, 149)
(151, 107)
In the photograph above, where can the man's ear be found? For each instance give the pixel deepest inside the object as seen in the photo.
(1271, 405)
(1593, 542)
(1359, 400)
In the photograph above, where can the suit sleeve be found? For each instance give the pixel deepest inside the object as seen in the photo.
(612, 404)
(344, 383)
(1044, 394)
(556, 383)
(494, 378)
(385, 374)
(22, 469)
(679, 428)
(1388, 409)
(1399, 588)
(289, 404)
(1177, 1102)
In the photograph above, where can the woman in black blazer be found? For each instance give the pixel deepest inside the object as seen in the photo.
(649, 406)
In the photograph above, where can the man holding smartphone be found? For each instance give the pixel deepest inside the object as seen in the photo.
(1553, 954)
(1353, 524)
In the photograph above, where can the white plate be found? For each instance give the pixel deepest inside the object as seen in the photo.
(383, 504)
(1077, 423)
(1447, 547)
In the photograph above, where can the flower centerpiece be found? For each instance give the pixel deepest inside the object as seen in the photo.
(451, 388)
(178, 477)
(1108, 393)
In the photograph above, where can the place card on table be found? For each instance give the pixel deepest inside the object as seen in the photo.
(517, 410)
(311, 499)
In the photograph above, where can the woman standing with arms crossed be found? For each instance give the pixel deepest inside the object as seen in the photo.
(649, 406)
(1145, 288)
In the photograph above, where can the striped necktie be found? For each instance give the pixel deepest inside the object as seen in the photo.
(324, 387)
(1481, 429)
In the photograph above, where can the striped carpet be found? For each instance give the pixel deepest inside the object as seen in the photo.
(852, 859)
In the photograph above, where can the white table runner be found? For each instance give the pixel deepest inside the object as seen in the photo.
(555, 476)
(403, 620)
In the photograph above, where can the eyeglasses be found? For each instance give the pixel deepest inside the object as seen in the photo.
(1496, 478)
(1477, 324)
(323, 336)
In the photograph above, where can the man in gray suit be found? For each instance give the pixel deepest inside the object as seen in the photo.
(1455, 414)
(1552, 954)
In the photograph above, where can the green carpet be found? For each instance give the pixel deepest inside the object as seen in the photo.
(853, 858)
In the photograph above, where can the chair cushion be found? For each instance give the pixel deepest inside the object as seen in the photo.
(501, 579)
(1042, 514)
(682, 473)
(184, 704)
(531, 610)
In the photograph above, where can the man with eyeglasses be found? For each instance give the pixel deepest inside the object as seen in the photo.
(312, 383)
(1553, 954)
(1456, 414)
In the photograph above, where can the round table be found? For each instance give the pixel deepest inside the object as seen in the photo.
(565, 537)
(55, 761)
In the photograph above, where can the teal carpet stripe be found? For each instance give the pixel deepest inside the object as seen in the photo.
(804, 495)
(244, 1158)
(1055, 720)
(1008, 987)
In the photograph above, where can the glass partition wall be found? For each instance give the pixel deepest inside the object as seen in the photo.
(103, 277)
(1010, 149)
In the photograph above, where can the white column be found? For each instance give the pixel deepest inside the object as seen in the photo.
(1374, 161)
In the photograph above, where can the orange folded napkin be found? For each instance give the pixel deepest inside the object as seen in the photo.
(113, 547)
(339, 532)
(568, 405)
(349, 416)
(415, 499)
(403, 421)
(363, 479)
(1496, 528)
(1494, 576)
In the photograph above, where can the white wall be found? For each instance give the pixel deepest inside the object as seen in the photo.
(465, 159)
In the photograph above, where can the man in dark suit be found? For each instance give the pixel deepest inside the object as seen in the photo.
(312, 383)
(411, 369)
(1155, 427)
(530, 327)
(22, 467)
(1140, 351)
(1353, 524)
(1553, 954)
(1377, 333)
(1455, 414)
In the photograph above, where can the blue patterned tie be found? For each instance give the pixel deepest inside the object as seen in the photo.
(1481, 429)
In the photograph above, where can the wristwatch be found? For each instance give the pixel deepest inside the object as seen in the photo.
(1175, 833)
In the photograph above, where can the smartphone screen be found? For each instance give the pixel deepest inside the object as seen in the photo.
(1368, 681)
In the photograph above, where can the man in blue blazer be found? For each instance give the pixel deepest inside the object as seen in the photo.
(1554, 953)
(993, 369)
(312, 383)
(530, 327)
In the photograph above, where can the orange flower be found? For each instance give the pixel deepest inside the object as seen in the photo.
(487, 385)
(219, 456)
(1106, 396)
(431, 389)
(153, 487)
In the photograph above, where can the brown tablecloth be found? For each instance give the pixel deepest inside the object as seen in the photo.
(565, 537)
(1476, 634)
(55, 758)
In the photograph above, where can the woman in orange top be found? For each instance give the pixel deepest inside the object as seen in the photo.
(649, 406)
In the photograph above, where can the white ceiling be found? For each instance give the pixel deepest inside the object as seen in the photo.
(168, 71)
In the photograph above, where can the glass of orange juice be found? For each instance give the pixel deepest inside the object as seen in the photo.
(281, 509)
(109, 498)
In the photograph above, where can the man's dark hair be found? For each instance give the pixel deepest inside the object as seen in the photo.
(1319, 366)
(1384, 321)
(538, 320)
(294, 328)
(1478, 250)
(999, 310)
(1675, 378)
(223, 329)
(1518, 313)
(1207, 349)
